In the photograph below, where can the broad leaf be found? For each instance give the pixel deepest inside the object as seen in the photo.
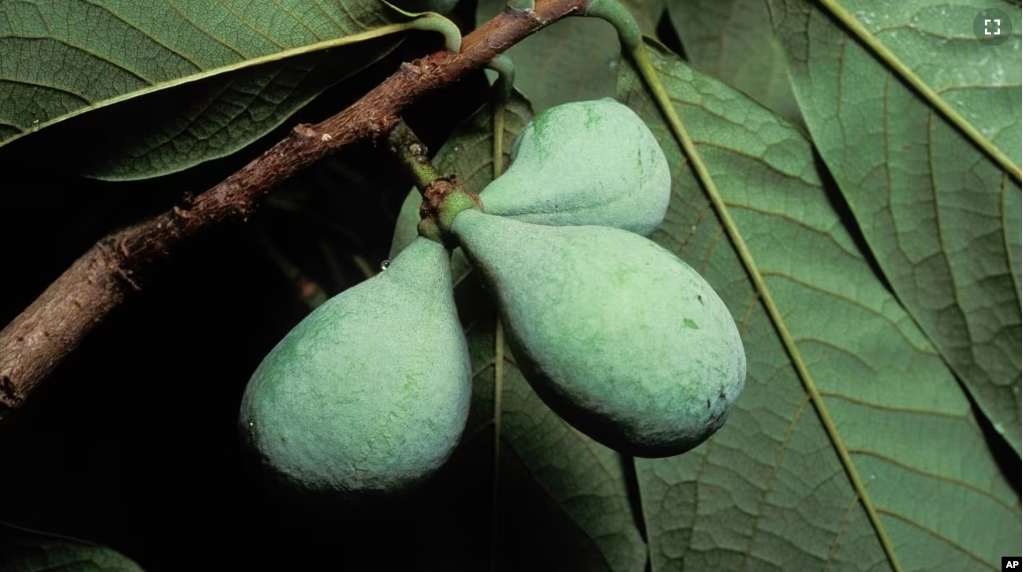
(242, 67)
(733, 41)
(574, 59)
(548, 471)
(891, 92)
(853, 446)
(39, 553)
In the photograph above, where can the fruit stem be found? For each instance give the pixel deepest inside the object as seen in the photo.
(501, 95)
(412, 153)
(442, 197)
(629, 34)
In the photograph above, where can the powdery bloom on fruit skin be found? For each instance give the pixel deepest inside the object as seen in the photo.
(596, 318)
(580, 163)
(587, 162)
(370, 392)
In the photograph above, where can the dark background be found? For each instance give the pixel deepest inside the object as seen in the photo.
(131, 443)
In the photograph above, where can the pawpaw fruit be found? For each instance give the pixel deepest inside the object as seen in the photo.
(617, 335)
(369, 394)
(579, 163)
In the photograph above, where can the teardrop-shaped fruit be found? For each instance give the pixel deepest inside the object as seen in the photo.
(620, 337)
(579, 163)
(584, 163)
(370, 392)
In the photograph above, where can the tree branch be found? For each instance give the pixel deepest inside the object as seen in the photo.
(47, 331)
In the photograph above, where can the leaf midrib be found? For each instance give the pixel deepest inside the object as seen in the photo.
(895, 64)
(649, 75)
(284, 54)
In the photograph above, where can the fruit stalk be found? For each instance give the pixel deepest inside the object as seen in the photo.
(442, 197)
(413, 156)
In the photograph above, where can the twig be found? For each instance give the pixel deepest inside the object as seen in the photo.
(40, 338)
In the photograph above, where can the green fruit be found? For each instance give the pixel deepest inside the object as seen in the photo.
(406, 229)
(584, 163)
(369, 394)
(50, 553)
(617, 335)
(580, 163)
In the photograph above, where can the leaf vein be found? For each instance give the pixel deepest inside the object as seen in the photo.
(1014, 511)
(788, 218)
(84, 51)
(851, 301)
(53, 87)
(892, 408)
(118, 17)
(773, 477)
(846, 517)
(206, 32)
(937, 535)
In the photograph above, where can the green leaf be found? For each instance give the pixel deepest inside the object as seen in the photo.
(733, 41)
(853, 446)
(574, 59)
(244, 67)
(917, 120)
(567, 476)
(45, 553)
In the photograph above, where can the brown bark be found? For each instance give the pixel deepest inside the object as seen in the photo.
(37, 340)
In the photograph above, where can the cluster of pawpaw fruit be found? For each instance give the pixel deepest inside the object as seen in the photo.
(369, 394)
